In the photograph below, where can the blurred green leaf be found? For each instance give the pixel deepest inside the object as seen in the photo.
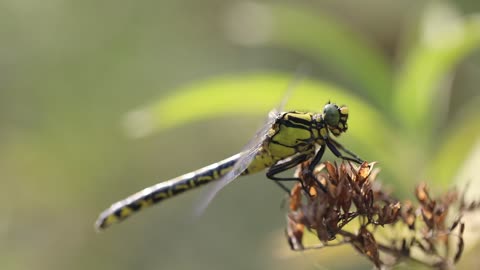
(327, 40)
(256, 95)
(252, 95)
(445, 41)
(458, 143)
(323, 39)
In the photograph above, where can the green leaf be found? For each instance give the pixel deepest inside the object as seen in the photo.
(246, 95)
(319, 37)
(446, 40)
(256, 95)
(457, 145)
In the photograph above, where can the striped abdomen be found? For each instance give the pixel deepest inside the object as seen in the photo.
(159, 192)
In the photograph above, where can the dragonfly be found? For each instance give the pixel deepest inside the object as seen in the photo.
(286, 140)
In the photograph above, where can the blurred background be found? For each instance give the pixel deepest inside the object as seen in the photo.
(99, 99)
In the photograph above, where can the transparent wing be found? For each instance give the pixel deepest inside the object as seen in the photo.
(249, 151)
(246, 156)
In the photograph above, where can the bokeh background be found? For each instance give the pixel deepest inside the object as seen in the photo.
(99, 99)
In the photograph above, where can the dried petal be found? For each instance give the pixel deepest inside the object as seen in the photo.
(363, 172)
(428, 218)
(422, 194)
(390, 213)
(295, 234)
(366, 244)
(332, 171)
(346, 204)
(354, 193)
(408, 214)
(296, 197)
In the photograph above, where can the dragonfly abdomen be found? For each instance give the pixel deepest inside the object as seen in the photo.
(161, 191)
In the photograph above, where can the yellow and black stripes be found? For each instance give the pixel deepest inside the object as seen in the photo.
(159, 192)
(299, 120)
(292, 134)
(289, 139)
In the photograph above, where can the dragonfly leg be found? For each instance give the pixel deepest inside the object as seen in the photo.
(314, 163)
(278, 168)
(282, 186)
(341, 147)
(317, 158)
(333, 147)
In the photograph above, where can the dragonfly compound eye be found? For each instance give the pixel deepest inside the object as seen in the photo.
(331, 115)
(336, 118)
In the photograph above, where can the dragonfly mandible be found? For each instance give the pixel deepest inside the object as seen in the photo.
(286, 140)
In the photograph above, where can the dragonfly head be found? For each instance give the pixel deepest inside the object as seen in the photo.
(336, 118)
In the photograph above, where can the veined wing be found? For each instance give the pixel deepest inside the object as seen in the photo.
(249, 151)
(246, 157)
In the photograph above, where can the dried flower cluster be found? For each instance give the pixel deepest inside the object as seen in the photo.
(387, 230)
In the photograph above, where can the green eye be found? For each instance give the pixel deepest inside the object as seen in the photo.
(331, 114)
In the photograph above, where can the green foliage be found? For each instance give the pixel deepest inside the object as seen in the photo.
(322, 38)
(70, 68)
(427, 65)
(404, 129)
